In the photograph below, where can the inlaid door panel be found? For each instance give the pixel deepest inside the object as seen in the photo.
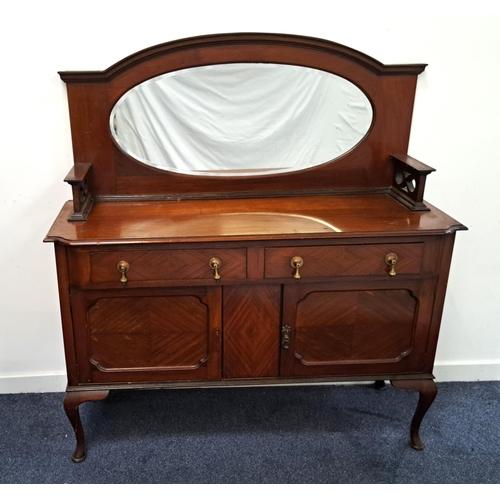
(161, 335)
(251, 331)
(152, 332)
(358, 331)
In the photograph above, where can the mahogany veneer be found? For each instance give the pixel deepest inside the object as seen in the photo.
(334, 273)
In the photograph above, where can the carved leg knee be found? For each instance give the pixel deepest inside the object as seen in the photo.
(428, 391)
(72, 401)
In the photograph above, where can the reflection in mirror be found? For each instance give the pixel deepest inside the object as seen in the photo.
(241, 119)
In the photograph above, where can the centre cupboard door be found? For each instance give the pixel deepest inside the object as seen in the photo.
(350, 329)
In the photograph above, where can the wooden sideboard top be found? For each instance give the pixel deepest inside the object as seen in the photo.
(247, 219)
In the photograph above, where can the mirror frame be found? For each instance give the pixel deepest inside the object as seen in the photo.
(365, 168)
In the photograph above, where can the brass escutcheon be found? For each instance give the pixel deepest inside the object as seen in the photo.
(123, 266)
(391, 260)
(215, 264)
(297, 263)
(286, 331)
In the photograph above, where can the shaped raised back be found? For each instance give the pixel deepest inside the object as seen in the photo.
(105, 171)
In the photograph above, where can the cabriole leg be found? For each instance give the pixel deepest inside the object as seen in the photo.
(428, 391)
(72, 401)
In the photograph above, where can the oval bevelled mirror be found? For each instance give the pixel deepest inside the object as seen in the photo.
(241, 119)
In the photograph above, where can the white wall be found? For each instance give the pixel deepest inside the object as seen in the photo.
(455, 130)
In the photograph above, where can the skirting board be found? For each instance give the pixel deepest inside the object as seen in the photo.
(15, 384)
(467, 372)
(444, 372)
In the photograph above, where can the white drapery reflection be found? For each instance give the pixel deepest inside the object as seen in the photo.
(241, 119)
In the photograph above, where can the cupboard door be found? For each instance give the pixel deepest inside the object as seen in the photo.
(149, 335)
(251, 331)
(333, 331)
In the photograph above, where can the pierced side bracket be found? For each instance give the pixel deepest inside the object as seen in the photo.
(82, 200)
(408, 183)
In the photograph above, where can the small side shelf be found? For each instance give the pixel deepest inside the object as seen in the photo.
(82, 200)
(408, 183)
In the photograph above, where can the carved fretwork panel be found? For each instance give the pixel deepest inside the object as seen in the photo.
(408, 183)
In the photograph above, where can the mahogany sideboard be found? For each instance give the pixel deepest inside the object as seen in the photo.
(324, 272)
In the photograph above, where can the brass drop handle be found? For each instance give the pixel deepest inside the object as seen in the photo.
(123, 266)
(391, 260)
(215, 264)
(297, 263)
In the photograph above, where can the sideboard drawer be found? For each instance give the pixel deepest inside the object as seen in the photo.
(344, 260)
(153, 265)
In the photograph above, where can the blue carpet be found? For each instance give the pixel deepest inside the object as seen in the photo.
(317, 434)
